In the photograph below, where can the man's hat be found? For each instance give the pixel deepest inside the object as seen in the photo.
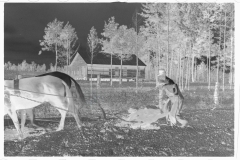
(161, 72)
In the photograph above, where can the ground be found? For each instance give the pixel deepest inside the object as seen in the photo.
(210, 132)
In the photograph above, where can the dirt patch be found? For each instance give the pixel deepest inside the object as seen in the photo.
(141, 118)
(212, 134)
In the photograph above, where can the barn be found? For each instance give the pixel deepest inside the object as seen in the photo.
(80, 67)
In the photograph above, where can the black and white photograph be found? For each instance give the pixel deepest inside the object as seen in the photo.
(120, 79)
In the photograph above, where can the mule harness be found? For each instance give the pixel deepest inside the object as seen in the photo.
(18, 94)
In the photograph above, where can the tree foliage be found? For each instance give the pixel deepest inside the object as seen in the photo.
(61, 40)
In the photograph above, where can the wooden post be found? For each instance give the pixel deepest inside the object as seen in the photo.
(18, 76)
(98, 80)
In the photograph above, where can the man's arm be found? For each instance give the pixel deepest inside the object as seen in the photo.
(169, 80)
(179, 92)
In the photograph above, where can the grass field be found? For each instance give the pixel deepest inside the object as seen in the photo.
(211, 132)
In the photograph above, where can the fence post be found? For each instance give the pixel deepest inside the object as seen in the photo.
(18, 76)
(98, 80)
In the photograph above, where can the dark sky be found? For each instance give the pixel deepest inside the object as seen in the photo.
(24, 25)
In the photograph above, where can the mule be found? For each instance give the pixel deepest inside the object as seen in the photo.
(29, 112)
(53, 88)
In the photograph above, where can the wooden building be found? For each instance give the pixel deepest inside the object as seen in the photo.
(80, 67)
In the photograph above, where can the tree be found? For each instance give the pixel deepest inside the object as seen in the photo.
(123, 45)
(136, 21)
(24, 66)
(162, 27)
(69, 38)
(51, 40)
(190, 22)
(153, 13)
(232, 46)
(92, 43)
(33, 66)
(109, 33)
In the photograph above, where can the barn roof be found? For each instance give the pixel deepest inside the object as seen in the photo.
(105, 58)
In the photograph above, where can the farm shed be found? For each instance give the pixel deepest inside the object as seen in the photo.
(80, 67)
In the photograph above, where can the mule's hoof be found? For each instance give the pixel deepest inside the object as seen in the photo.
(184, 124)
(34, 126)
(59, 129)
(21, 137)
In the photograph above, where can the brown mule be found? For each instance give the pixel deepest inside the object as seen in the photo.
(44, 88)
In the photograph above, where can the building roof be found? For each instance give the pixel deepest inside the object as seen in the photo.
(105, 58)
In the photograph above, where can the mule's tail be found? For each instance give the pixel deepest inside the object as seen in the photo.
(80, 94)
(82, 98)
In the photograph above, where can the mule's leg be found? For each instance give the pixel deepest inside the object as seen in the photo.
(75, 115)
(63, 116)
(31, 117)
(14, 117)
(23, 118)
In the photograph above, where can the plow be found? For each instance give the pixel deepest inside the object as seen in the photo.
(142, 118)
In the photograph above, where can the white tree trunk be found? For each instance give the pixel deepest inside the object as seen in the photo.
(224, 63)
(168, 40)
(192, 67)
(209, 63)
(56, 57)
(219, 54)
(120, 80)
(111, 65)
(231, 69)
(171, 64)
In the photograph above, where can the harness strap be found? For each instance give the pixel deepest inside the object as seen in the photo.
(65, 91)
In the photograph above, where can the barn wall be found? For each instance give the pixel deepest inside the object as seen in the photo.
(105, 71)
(78, 68)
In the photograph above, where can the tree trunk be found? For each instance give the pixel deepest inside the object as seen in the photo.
(231, 69)
(189, 73)
(56, 57)
(67, 64)
(179, 68)
(186, 72)
(156, 73)
(195, 68)
(168, 41)
(218, 66)
(68, 52)
(192, 68)
(149, 65)
(111, 66)
(224, 63)
(182, 86)
(91, 70)
(120, 80)
(209, 63)
(171, 64)
(186, 76)
(158, 52)
(136, 53)
(137, 65)
(160, 62)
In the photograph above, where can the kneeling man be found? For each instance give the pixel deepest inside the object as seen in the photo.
(168, 88)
